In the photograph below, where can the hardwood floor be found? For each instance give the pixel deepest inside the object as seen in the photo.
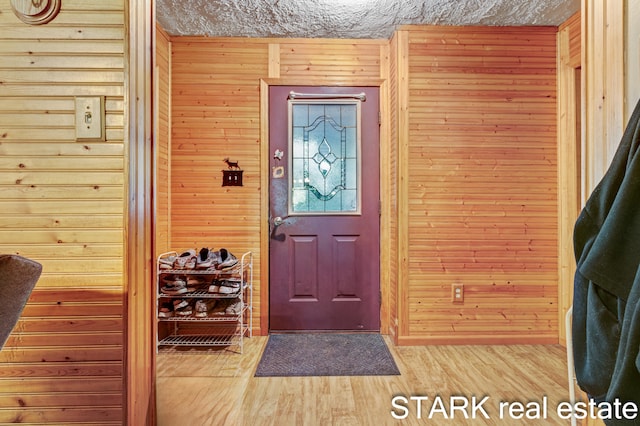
(200, 387)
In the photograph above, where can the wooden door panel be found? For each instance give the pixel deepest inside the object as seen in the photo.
(303, 255)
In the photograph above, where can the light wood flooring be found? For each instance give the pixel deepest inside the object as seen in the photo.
(201, 388)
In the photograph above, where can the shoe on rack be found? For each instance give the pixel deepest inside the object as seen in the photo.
(167, 262)
(195, 281)
(165, 311)
(171, 279)
(210, 263)
(214, 287)
(229, 287)
(211, 306)
(201, 309)
(179, 304)
(227, 260)
(234, 308)
(220, 307)
(185, 312)
(203, 254)
(207, 259)
(174, 287)
(167, 278)
(187, 260)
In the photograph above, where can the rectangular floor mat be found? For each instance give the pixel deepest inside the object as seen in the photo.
(326, 354)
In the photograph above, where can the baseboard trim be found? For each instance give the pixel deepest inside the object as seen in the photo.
(526, 339)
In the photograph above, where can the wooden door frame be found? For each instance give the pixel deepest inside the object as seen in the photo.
(569, 171)
(385, 190)
(139, 351)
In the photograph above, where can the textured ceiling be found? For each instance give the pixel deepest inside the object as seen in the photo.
(348, 18)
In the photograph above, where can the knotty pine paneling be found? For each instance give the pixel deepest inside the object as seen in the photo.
(631, 57)
(215, 113)
(163, 141)
(472, 125)
(574, 34)
(604, 91)
(63, 205)
(331, 62)
(482, 185)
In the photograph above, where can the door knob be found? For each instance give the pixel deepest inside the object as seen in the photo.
(277, 221)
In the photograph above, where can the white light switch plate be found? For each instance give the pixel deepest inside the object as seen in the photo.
(90, 117)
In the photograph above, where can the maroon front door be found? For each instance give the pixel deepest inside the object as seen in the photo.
(324, 208)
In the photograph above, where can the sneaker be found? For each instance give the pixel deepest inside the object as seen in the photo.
(185, 312)
(220, 307)
(186, 260)
(203, 254)
(165, 266)
(165, 311)
(167, 262)
(229, 287)
(211, 306)
(212, 261)
(195, 281)
(234, 308)
(201, 309)
(180, 303)
(227, 260)
(177, 286)
(207, 259)
(167, 278)
(214, 287)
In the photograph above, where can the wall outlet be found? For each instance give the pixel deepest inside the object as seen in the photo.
(457, 293)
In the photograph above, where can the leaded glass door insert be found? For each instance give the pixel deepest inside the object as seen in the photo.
(324, 142)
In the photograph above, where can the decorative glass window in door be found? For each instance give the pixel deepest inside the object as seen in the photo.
(324, 147)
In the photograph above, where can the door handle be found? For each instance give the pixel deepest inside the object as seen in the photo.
(274, 222)
(277, 221)
(273, 225)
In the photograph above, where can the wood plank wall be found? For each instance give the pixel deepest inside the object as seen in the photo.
(475, 108)
(603, 44)
(216, 114)
(482, 185)
(163, 141)
(331, 62)
(632, 56)
(63, 204)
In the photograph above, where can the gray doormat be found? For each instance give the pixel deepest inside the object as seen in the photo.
(326, 354)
